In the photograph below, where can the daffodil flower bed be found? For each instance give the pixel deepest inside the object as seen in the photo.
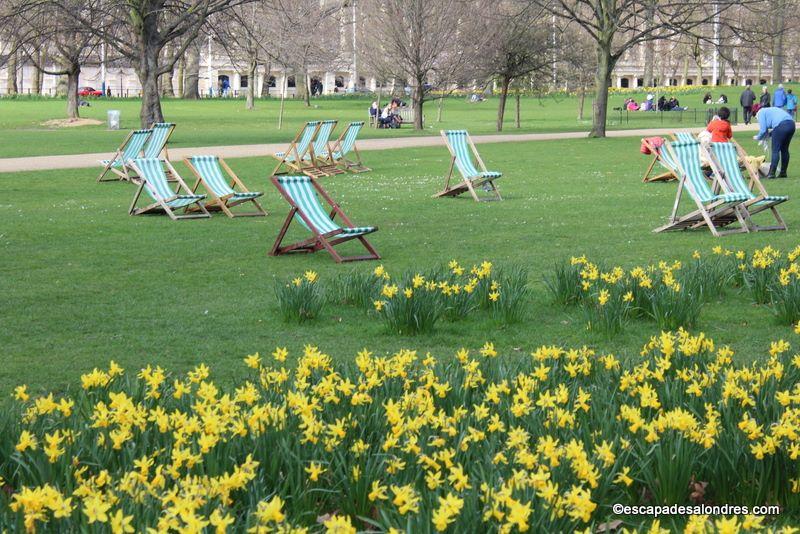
(482, 441)
(673, 293)
(413, 302)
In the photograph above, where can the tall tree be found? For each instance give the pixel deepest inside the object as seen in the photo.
(69, 44)
(417, 41)
(191, 72)
(141, 29)
(520, 46)
(617, 25)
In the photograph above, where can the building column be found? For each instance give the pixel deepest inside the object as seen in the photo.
(328, 83)
(619, 81)
(372, 84)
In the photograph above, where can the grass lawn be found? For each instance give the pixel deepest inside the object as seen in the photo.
(83, 282)
(227, 122)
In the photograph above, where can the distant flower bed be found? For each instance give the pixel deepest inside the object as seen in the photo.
(673, 293)
(408, 442)
(415, 301)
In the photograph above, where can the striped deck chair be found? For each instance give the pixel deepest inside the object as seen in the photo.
(346, 144)
(130, 148)
(319, 148)
(301, 194)
(222, 195)
(461, 149)
(684, 137)
(156, 146)
(714, 210)
(727, 156)
(294, 158)
(153, 180)
(662, 157)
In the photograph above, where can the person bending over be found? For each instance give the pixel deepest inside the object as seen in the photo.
(780, 125)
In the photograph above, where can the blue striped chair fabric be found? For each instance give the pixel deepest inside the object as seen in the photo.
(301, 191)
(321, 141)
(688, 154)
(152, 171)
(728, 158)
(209, 168)
(458, 143)
(158, 139)
(302, 144)
(349, 140)
(132, 148)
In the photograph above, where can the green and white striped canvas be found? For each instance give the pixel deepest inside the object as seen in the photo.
(158, 139)
(349, 139)
(323, 136)
(457, 139)
(209, 168)
(302, 144)
(132, 148)
(685, 137)
(728, 158)
(156, 185)
(301, 191)
(688, 154)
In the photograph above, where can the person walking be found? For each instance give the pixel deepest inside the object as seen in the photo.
(779, 98)
(764, 100)
(747, 98)
(780, 125)
(791, 103)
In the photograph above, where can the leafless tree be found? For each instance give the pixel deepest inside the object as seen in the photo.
(417, 41)
(141, 29)
(618, 25)
(520, 46)
(69, 44)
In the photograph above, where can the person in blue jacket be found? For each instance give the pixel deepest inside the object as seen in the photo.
(779, 97)
(780, 125)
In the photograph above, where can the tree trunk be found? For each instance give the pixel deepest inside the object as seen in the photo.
(252, 68)
(439, 109)
(518, 118)
(501, 106)
(301, 88)
(417, 99)
(148, 76)
(191, 80)
(36, 82)
(649, 56)
(602, 81)
(11, 72)
(72, 92)
(180, 74)
(685, 69)
(283, 100)
(581, 101)
(265, 81)
(777, 56)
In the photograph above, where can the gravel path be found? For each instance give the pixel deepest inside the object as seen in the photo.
(79, 161)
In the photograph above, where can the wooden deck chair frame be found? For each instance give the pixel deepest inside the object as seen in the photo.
(161, 205)
(223, 203)
(319, 241)
(298, 163)
(714, 215)
(758, 203)
(352, 165)
(466, 184)
(122, 174)
(656, 153)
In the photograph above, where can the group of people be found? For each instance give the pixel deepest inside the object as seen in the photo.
(782, 98)
(650, 104)
(775, 115)
(389, 116)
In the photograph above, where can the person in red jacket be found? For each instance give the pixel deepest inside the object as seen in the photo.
(720, 128)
